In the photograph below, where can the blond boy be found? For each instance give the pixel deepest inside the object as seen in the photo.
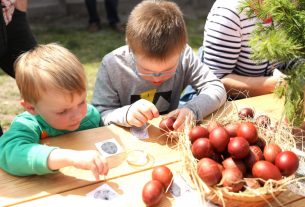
(52, 84)
(145, 78)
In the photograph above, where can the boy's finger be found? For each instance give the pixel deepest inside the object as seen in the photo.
(179, 121)
(94, 170)
(137, 123)
(102, 165)
(105, 164)
(171, 114)
(140, 118)
(136, 119)
(147, 112)
(154, 111)
(180, 128)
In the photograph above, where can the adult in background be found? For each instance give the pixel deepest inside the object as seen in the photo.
(111, 7)
(15, 34)
(227, 53)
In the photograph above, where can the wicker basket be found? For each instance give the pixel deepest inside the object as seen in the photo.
(220, 195)
(242, 200)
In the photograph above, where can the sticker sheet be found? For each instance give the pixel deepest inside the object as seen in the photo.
(109, 147)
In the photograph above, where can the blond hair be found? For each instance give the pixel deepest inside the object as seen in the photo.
(156, 29)
(46, 67)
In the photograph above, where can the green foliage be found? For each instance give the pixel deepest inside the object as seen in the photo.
(274, 44)
(294, 93)
(284, 40)
(89, 47)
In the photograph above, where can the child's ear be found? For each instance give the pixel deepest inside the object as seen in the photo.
(28, 107)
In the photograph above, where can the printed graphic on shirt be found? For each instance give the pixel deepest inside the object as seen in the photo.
(44, 134)
(148, 95)
(160, 99)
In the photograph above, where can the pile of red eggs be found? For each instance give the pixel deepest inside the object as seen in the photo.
(233, 155)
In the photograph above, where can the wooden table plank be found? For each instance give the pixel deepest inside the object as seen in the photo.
(128, 187)
(288, 198)
(266, 104)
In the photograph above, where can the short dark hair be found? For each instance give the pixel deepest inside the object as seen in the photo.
(156, 29)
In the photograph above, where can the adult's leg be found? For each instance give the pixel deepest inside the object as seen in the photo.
(112, 11)
(92, 11)
(19, 39)
(3, 39)
(2, 42)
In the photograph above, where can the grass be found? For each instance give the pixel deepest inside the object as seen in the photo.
(88, 47)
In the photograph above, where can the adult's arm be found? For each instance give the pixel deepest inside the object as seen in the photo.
(244, 86)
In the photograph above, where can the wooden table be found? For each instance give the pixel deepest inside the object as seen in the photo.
(70, 185)
(20, 189)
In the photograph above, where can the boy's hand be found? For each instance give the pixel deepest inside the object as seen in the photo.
(181, 114)
(87, 160)
(140, 112)
(91, 160)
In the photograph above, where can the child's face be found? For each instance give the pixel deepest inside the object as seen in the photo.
(157, 71)
(61, 110)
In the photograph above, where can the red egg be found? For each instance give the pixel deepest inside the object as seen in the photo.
(266, 170)
(238, 147)
(255, 155)
(152, 192)
(198, 132)
(232, 129)
(246, 113)
(201, 148)
(167, 124)
(220, 167)
(233, 179)
(248, 131)
(162, 174)
(271, 151)
(234, 163)
(287, 162)
(219, 138)
(263, 121)
(209, 171)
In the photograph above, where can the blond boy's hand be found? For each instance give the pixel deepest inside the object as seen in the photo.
(181, 115)
(140, 112)
(87, 160)
(91, 160)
